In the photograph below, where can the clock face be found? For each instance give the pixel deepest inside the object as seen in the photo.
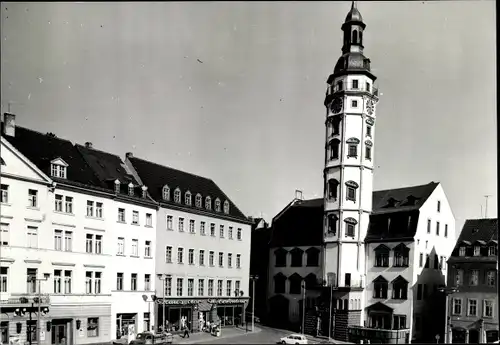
(336, 105)
(369, 107)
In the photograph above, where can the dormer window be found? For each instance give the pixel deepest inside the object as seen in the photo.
(217, 205)
(131, 189)
(226, 207)
(208, 203)
(187, 198)
(177, 196)
(461, 251)
(166, 193)
(117, 186)
(198, 200)
(492, 250)
(144, 192)
(477, 251)
(58, 168)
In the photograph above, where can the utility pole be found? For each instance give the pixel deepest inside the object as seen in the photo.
(486, 207)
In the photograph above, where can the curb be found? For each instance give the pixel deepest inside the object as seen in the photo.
(201, 341)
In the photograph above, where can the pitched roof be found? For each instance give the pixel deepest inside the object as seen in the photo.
(485, 229)
(401, 199)
(156, 176)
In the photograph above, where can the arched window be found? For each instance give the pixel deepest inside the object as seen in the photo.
(166, 193)
(361, 37)
(208, 203)
(355, 37)
(333, 189)
(198, 200)
(187, 198)
(332, 224)
(177, 195)
(226, 207)
(340, 85)
(351, 190)
(217, 205)
(352, 148)
(336, 125)
(334, 149)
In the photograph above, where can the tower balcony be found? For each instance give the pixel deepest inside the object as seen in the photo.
(335, 89)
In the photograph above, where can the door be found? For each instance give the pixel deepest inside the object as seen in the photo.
(59, 336)
(347, 279)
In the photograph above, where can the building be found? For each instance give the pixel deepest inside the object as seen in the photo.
(202, 246)
(473, 271)
(69, 217)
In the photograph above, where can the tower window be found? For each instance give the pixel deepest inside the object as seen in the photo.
(333, 189)
(340, 85)
(351, 190)
(332, 224)
(336, 125)
(354, 104)
(361, 37)
(355, 84)
(368, 153)
(368, 131)
(368, 87)
(350, 227)
(334, 149)
(353, 151)
(355, 37)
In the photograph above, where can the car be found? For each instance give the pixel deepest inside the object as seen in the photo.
(293, 339)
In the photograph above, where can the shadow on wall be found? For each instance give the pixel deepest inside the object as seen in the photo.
(431, 317)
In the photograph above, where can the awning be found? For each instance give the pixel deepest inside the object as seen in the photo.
(204, 306)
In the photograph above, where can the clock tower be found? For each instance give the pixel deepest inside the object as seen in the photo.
(348, 175)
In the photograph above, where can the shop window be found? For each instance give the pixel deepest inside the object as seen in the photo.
(92, 327)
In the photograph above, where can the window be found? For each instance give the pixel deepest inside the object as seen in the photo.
(439, 206)
(201, 257)
(350, 227)
(428, 226)
(180, 255)
(191, 226)
(211, 256)
(4, 234)
(334, 149)
(381, 256)
(68, 241)
(202, 228)
(4, 279)
(333, 189)
(421, 260)
(279, 283)
(427, 261)
(399, 321)
(419, 292)
(58, 240)
(312, 257)
(295, 284)
(97, 276)
(237, 287)
(147, 282)
(57, 281)
(238, 234)
(147, 249)
(170, 222)
(400, 288)
(491, 278)
(149, 219)
(168, 286)
(198, 200)
(217, 205)
(229, 287)
(477, 251)
(368, 131)
(133, 282)
(472, 307)
(368, 153)
(88, 282)
(201, 287)
(461, 251)
(31, 286)
(355, 82)
(459, 277)
(121, 246)
(117, 186)
(32, 331)
(488, 308)
(219, 287)
(226, 207)
(32, 198)
(208, 203)
(191, 256)
(58, 170)
(230, 233)
(380, 287)
(166, 193)
(296, 254)
(437, 228)
(401, 256)
(190, 287)
(336, 125)
(229, 260)
(179, 287)
(457, 306)
(168, 254)
(351, 190)
(280, 257)
(181, 224)
(58, 202)
(92, 327)
(332, 224)
(221, 231)
(424, 294)
(340, 85)
(492, 251)
(210, 287)
(98, 209)
(352, 150)
(212, 229)
(32, 234)
(135, 247)
(119, 281)
(4, 326)
(90, 208)
(221, 259)
(67, 281)
(354, 104)
(5, 194)
(177, 196)
(187, 199)
(474, 277)
(68, 204)
(367, 84)
(121, 215)
(238, 260)
(135, 217)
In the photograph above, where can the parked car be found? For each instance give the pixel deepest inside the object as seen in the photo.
(294, 339)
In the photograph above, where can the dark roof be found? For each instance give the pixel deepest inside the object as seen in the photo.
(403, 199)
(353, 15)
(156, 176)
(479, 230)
(41, 149)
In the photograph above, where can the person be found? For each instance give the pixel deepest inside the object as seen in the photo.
(186, 329)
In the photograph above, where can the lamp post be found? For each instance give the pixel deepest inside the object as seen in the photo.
(447, 292)
(46, 276)
(163, 277)
(253, 278)
(330, 316)
(303, 306)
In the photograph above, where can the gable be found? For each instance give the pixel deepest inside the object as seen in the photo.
(17, 165)
(59, 161)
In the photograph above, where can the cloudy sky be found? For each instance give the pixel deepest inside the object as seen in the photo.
(234, 91)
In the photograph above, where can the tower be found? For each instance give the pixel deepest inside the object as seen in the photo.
(348, 175)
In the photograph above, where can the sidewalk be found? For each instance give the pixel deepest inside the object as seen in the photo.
(203, 336)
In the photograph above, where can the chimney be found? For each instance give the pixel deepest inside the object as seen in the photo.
(298, 194)
(129, 155)
(88, 145)
(9, 124)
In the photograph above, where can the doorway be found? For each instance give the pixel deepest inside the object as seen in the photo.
(59, 332)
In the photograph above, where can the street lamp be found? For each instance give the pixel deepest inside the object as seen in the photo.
(253, 278)
(447, 292)
(163, 277)
(330, 313)
(46, 276)
(303, 305)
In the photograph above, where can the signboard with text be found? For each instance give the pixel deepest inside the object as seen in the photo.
(198, 301)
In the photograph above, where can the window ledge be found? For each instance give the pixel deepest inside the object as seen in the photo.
(6, 204)
(148, 226)
(168, 262)
(94, 218)
(65, 213)
(315, 265)
(191, 264)
(134, 256)
(148, 257)
(192, 233)
(136, 224)
(34, 208)
(170, 229)
(121, 221)
(120, 255)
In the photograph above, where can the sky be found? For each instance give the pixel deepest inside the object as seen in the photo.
(234, 91)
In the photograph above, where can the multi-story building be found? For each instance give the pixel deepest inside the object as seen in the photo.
(68, 218)
(472, 284)
(202, 246)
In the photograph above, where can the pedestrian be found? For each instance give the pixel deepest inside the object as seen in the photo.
(186, 330)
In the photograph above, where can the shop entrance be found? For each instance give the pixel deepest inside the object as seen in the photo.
(125, 324)
(59, 332)
(174, 315)
(230, 315)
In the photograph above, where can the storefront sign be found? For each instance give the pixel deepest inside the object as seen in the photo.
(198, 301)
(227, 301)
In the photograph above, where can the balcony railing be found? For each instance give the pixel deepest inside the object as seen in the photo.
(373, 90)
